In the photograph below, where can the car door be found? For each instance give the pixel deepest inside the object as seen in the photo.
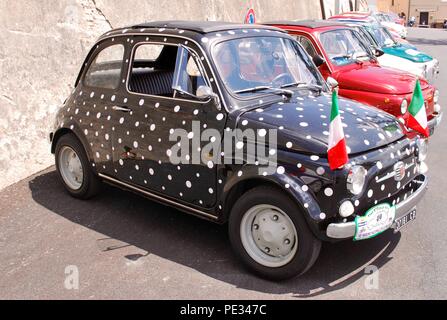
(145, 134)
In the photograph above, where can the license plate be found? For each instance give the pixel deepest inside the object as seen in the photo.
(403, 221)
(374, 222)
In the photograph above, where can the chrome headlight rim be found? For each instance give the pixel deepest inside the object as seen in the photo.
(403, 106)
(356, 179)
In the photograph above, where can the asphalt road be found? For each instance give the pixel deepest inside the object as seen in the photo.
(125, 246)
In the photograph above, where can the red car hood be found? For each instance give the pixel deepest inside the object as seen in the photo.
(378, 79)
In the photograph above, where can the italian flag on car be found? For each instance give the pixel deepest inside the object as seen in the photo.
(337, 153)
(417, 119)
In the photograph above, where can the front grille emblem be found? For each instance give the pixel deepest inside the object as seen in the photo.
(399, 171)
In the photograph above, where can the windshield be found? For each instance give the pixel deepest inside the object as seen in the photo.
(382, 37)
(247, 65)
(343, 46)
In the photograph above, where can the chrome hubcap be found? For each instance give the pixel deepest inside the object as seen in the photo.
(71, 168)
(269, 236)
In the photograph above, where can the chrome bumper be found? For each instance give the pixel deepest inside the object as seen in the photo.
(347, 229)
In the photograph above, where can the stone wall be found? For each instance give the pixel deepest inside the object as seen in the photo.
(43, 43)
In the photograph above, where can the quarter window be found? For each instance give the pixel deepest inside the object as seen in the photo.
(105, 70)
(308, 46)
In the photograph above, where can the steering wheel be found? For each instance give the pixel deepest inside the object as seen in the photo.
(282, 76)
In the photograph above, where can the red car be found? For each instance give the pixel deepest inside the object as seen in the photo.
(340, 53)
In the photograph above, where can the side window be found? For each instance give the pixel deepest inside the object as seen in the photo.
(188, 76)
(105, 70)
(308, 46)
(153, 69)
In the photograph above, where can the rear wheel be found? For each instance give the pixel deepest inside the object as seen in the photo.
(270, 235)
(73, 167)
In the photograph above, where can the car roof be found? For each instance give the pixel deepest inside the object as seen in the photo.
(311, 24)
(201, 26)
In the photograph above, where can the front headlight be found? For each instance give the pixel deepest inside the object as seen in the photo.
(436, 96)
(356, 179)
(422, 149)
(404, 106)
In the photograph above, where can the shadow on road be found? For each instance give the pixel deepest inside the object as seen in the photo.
(127, 220)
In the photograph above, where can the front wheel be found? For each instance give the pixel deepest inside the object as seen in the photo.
(73, 167)
(269, 234)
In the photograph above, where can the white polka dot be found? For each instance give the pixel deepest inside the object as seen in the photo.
(328, 192)
(280, 170)
(314, 158)
(239, 145)
(135, 144)
(152, 128)
(320, 171)
(379, 165)
(113, 98)
(370, 193)
(220, 116)
(305, 188)
(262, 132)
(239, 174)
(289, 145)
(176, 108)
(121, 162)
(210, 164)
(141, 102)
(191, 135)
(304, 124)
(322, 216)
(244, 122)
(210, 190)
(151, 171)
(121, 120)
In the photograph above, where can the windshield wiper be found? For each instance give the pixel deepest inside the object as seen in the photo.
(280, 91)
(304, 85)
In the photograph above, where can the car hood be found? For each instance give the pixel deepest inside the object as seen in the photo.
(407, 53)
(377, 79)
(303, 124)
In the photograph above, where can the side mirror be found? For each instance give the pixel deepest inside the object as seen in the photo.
(332, 83)
(206, 93)
(378, 52)
(318, 60)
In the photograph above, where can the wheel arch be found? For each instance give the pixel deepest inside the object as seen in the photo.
(235, 189)
(63, 131)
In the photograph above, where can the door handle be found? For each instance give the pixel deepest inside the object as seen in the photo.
(122, 109)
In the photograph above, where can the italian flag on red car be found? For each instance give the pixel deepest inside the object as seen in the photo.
(337, 153)
(418, 117)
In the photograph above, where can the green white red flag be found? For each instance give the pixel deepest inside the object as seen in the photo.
(337, 153)
(417, 119)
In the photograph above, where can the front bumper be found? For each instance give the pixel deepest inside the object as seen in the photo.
(347, 229)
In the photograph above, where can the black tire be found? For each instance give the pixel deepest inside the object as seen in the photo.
(308, 245)
(91, 184)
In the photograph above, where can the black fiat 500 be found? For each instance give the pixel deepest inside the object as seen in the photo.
(230, 123)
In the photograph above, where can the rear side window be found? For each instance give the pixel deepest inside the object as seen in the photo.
(105, 70)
